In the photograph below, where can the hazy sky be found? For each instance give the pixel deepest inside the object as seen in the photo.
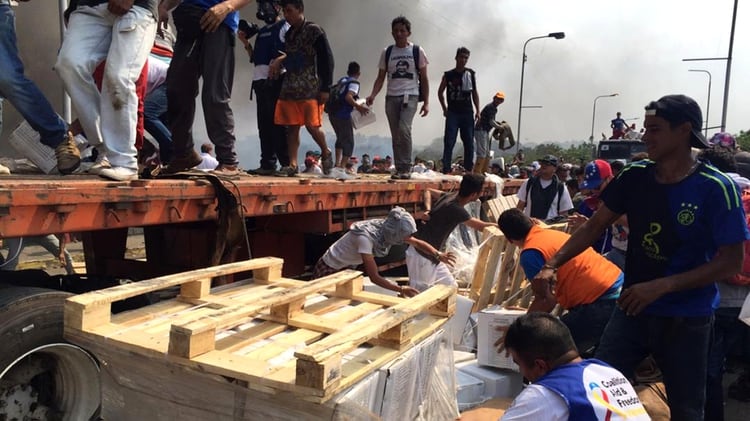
(634, 48)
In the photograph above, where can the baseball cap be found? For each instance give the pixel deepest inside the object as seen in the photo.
(677, 109)
(723, 139)
(595, 173)
(548, 159)
(500, 95)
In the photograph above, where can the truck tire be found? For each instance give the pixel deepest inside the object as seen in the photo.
(42, 376)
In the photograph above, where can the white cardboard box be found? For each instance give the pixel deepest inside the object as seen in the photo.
(498, 382)
(490, 319)
(469, 391)
(457, 323)
(26, 141)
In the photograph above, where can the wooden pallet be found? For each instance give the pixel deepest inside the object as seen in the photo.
(311, 339)
(494, 207)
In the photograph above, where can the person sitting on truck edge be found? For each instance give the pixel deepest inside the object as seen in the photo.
(587, 286)
(563, 385)
(204, 50)
(427, 269)
(269, 44)
(618, 126)
(544, 196)
(405, 64)
(462, 108)
(369, 239)
(690, 235)
(341, 114)
(97, 31)
(29, 100)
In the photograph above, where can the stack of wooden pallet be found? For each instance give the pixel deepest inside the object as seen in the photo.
(274, 347)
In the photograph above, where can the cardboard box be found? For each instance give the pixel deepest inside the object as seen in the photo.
(366, 397)
(498, 383)
(457, 323)
(463, 356)
(26, 141)
(490, 319)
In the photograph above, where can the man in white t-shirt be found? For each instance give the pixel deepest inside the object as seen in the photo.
(544, 196)
(563, 385)
(208, 162)
(405, 64)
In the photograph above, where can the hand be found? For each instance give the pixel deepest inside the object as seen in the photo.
(445, 112)
(542, 283)
(576, 220)
(448, 258)
(274, 69)
(362, 109)
(119, 7)
(408, 291)
(370, 100)
(61, 258)
(476, 116)
(425, 109)
(242, 37)
(323, 97)
(214, 16)
(637, 297)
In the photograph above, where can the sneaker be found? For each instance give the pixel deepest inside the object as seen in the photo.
(67, 154)
(287, 171)
(226, 169)
(327, 163)
(101, 163)
(119, 173)
(405, 176)
(262, 171)
(182, 163)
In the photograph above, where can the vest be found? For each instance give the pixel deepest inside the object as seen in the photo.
(594, 391)
(267, 43)
(582, 279)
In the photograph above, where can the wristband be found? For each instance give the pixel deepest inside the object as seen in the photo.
(546, 266)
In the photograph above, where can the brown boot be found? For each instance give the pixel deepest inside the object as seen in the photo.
(480, 166)
(182, 163)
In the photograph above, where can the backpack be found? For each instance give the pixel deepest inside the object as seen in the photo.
(415, 54)
(743, 278)
(336, 96)
(560, 186)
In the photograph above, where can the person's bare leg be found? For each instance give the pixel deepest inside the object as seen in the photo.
(292, 140)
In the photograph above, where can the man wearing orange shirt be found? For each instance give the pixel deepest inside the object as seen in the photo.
(587, 286)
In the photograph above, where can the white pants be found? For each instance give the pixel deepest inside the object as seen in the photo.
(94, 34)
(423, 273)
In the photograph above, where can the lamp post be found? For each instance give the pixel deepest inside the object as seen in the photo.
(555, 35)
(708, 101)
(593, 115)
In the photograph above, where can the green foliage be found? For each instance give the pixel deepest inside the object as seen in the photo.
(743, 140)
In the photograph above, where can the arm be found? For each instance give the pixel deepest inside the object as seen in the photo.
(475, 98)
(425, 247)
(725, 264)
(425, 85)
(216, 14)
(441, 95)
(246, 43)
(371, 269)
(478, 224)
(349, 98)
(324, 58)
(377, 86)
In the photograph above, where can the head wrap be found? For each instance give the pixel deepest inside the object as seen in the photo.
(384, 233)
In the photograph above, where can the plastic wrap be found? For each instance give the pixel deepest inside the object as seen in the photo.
(440, 402)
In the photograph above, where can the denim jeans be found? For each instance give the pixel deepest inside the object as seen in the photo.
(155, 121)
(587, 323)
(21, 92)
(94, 34)
(400, 117)
(455, 123)
(679, 346)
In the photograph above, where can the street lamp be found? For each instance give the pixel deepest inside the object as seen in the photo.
(708, 101)
(555, 35)
(593, 115)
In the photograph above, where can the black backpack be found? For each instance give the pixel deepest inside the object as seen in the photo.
(415, 54)
(336, 96)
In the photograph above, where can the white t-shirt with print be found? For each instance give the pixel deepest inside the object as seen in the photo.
(402, 77)
(347, 251)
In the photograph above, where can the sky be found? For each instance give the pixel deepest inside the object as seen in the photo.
(634, 48)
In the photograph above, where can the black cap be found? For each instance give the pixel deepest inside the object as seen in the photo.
(549, 159)
(678, 109)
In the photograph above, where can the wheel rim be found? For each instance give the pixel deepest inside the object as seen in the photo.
(56, 381)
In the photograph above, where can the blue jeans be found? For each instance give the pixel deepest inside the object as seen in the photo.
(679, 346)
(455, 123)
(155, 121)
(21, 92)
(587, 323)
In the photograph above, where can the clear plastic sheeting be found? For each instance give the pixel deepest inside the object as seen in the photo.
(440, 403)
(464, 242)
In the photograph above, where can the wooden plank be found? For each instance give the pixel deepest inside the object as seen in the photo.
(498, 244)
(197, 337)
(93, 308)
(320, 363)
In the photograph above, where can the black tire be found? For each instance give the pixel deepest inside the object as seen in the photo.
(37, 363)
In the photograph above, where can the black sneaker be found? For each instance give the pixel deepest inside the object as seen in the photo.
(262, 171)
(287, 171)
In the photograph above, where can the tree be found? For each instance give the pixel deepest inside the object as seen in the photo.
(743, 140)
